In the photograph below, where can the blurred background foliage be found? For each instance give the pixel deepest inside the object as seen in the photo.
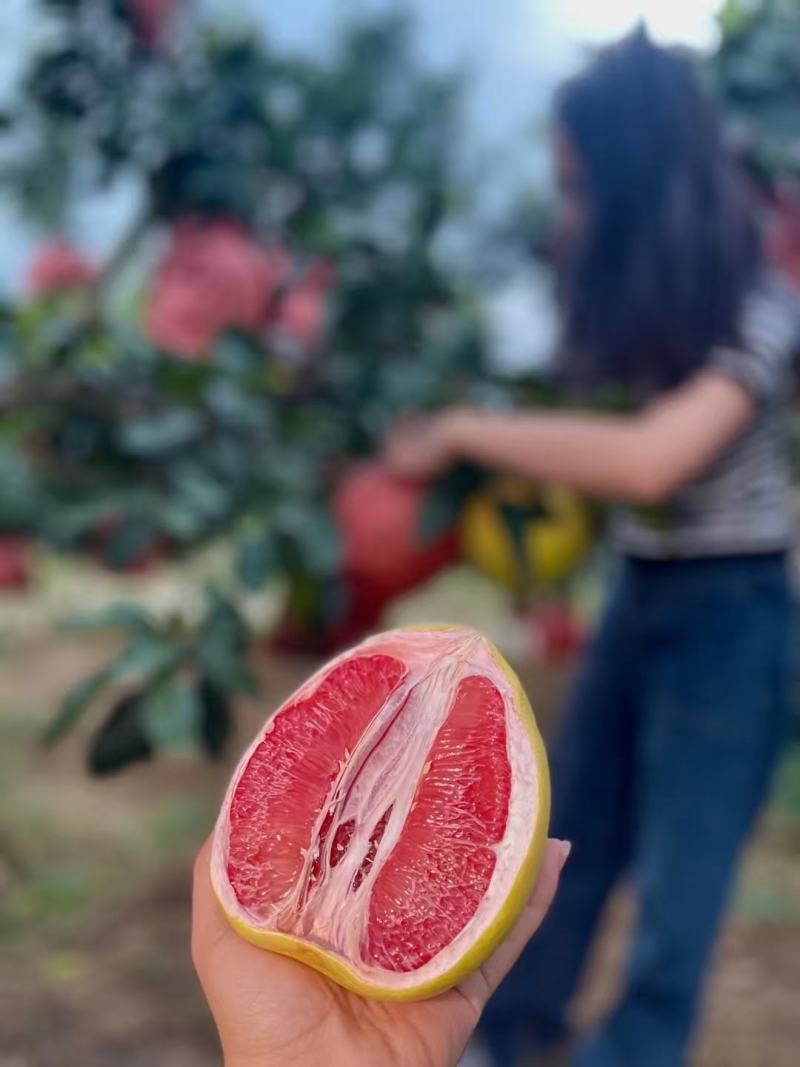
(285, 288)
(294, 305)
(756, 70)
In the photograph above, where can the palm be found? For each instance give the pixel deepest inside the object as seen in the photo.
(270, 1009)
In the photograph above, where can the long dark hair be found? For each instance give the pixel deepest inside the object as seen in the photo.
(669, 249)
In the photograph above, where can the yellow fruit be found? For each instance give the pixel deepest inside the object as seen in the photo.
(525, 536)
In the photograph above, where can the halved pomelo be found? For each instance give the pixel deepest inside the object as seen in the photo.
(387, 824)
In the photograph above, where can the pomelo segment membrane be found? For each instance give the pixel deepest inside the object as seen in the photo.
(387, 823)
(432, 883)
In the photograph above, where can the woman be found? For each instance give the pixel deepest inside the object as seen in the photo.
(679, 709)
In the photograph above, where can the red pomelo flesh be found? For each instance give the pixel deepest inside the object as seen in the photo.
(386, 824)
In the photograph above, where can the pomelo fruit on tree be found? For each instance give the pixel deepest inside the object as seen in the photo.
(525, 536)
(15, 561)
(379, 519)
(387, 824)
(558, 633)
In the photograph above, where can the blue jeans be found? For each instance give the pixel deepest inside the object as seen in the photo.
(666, 752)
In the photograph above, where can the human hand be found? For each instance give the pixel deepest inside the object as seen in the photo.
(271, 1010)
(425, 447)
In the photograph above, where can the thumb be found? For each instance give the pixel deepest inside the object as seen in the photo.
(480, 986)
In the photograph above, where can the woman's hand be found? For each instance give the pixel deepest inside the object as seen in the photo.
(426, 447)
(270, 1010)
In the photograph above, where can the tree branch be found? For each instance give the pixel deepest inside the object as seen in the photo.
(116, 262)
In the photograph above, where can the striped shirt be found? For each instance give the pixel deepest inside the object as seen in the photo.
(742, 504)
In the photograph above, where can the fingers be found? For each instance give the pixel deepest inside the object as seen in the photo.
(402, 446)
(497, 967)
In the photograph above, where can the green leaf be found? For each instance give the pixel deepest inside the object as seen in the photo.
(443, 503)
(333, 601)
(224, 623)
(159, 433)
(220, 649)
(257, 560)
(238, 405)
(181, 381)
(239, 353)
(20, 495)
(181, 520)
(121, 740)
(146, 655)
(117, 616)
(314, 536)
(171, 715)
(517, 520)
(129, 544)
(67, 522)
(75, 703)
(733, 18)
(215, 722)
(201, 492)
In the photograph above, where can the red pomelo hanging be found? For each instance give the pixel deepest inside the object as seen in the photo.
(558, 633)
(379, 517)
(387, 824)
(15, 561)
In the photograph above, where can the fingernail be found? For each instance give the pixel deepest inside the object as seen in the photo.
(565, 848)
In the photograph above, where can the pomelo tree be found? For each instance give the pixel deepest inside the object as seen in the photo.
(276, 298)
(756, 72)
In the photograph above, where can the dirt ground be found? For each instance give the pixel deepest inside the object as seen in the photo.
(94, 905)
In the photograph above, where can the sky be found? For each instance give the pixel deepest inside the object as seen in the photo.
(515, 51)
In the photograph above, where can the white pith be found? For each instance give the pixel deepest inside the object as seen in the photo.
(333, 917)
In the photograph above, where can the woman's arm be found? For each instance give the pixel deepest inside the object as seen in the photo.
(644, 458)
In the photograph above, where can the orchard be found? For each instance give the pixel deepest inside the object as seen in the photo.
(223, 374)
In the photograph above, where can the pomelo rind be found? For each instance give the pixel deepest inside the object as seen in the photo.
(333, 967)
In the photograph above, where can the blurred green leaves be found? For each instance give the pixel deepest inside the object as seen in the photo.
(445, 500)
(75, 703)
(220, 119)
(130, 455)
(756, 72)
(351, 155)
(167, 690)
(170, 715)
(121, 740)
